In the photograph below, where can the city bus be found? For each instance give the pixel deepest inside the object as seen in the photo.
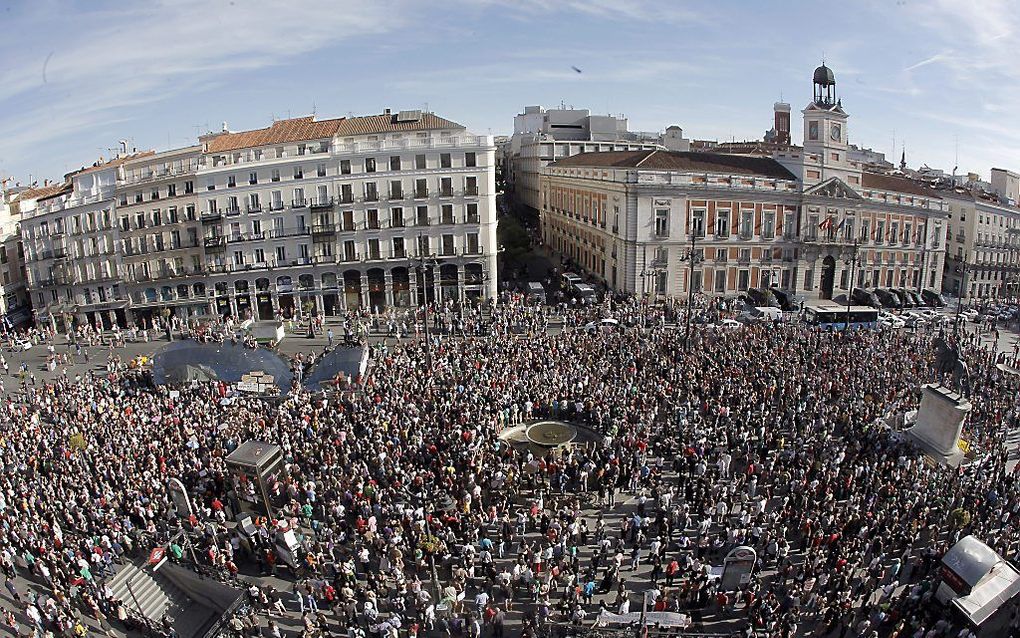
(833, 316)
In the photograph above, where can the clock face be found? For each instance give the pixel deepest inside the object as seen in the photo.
(835, 132)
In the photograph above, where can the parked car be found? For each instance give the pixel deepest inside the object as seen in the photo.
(905, 299)
(865, 297)
(933, 298)
(888, 298)
(889, 320)
(728, 324)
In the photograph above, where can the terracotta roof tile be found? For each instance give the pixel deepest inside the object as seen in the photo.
(895, 184)
(292, 130)
(45, 192)
(677, 160)
(387, 123)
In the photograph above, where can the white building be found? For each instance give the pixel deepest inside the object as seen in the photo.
(542, 136)
(806, 221)
(14, 306)
(303, 215)
(70, 242)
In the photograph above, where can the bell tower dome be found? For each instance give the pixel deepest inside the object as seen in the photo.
(825, 86)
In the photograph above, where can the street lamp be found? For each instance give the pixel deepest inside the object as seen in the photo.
(426, 260)
(693, 258)
(963, 288)
(852, 262)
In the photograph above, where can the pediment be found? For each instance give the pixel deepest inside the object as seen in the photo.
(833, 188)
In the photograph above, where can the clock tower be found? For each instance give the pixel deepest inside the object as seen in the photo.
(825, 134)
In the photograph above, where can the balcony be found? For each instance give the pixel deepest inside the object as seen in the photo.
(279, 233)
(346, 198)
(472, 250)
(446, 192)
(324, 259)
(397, 223)
(396, 195)
(257, 208)
(232, 211)
(399, 253)
(211, 216)
(471, 191)
(421, 193)
(448, 219)
(276, 206)
(422, 221)
(323, 231)
(473, 219)
(43, 283)
(299, 203)
(371, 197)
(215, 244)
(349, 257)
(745, 235)
(321, 203)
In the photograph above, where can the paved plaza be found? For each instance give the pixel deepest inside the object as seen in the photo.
(536, 545)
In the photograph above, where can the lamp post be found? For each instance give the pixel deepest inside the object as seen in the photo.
(924, 253)
(852, 262)
(963, 288)
(693, 259)
(426, 260)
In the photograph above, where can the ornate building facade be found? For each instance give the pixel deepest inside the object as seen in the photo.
(806, 220)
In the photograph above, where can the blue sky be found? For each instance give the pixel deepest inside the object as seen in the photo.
(79, 76)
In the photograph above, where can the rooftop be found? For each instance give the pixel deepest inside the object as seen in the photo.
(394, 123)
(45, 192)
(896, 184)
(681, 161)
(292, 130)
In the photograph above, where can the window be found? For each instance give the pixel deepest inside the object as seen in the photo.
(302, 149)
(373, 248)
(231, 181)
(698, 222)
(446, 187)
(394, 162)
(812, 130)
(155, 193)
(421, 189)
(189, 187)
(348, 217)
(880, 232)
(472, 214)
(722, 223)
(398, 247)
(232, 206)
(171, 190)
(744, 279)
(281, 254)
(346, 194)
(369, 164)
(662, 222)
(419, 162)
(276, 200)
(253, 178)
(275, 176)
(212, 206)
(422, 216)
(299, 172)
(448, 245)
(371, 194)
(446, 214)
(746, 224)
(720, 281)
(471, 186)
(345, 167)
(397, 217)
(372, 217)
(444, 160)
(865, 229)
(260, 256)
(472, 244)
(320, 170)
(470, 160)
(396, 189)
(210, 185)
(350, 254)
(768, 225)
(303, 251)
(254, 205)
(299, 198)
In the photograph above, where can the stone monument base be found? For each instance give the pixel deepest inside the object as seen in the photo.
(938, 424)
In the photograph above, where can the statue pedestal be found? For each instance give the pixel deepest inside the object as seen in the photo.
(938, 424)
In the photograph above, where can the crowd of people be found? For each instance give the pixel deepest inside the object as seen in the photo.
(414, 518)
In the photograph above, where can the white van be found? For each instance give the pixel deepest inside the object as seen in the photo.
(760, 314)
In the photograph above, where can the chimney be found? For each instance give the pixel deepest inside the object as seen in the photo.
(225, 129)
(386, 111)
(123, 147)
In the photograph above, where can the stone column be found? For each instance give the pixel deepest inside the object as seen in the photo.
(388, 288)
